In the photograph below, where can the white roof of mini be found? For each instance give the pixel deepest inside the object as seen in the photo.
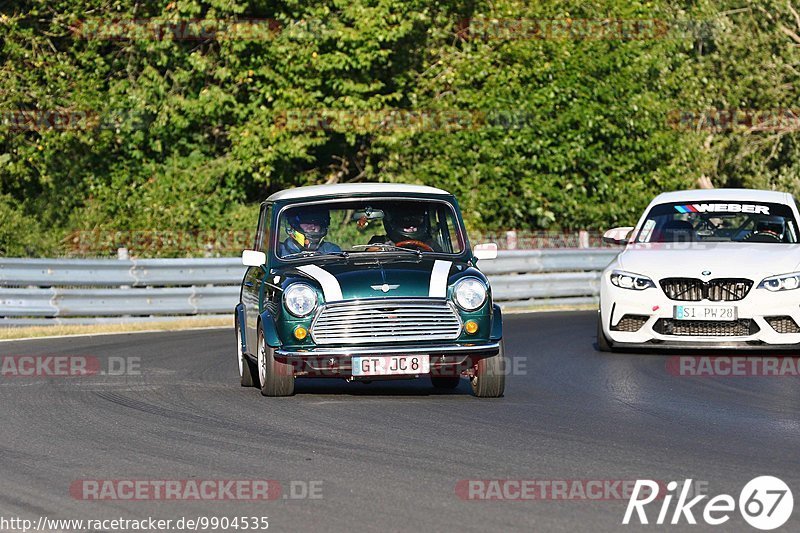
(345, 189)
(736, 195)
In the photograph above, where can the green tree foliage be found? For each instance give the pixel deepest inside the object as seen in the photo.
(160, 132)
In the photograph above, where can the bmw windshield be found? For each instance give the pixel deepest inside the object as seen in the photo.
(384, 226)
(720, 222)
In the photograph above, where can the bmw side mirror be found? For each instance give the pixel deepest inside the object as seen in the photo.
(253, 258)
(485, 251)
(618, 235)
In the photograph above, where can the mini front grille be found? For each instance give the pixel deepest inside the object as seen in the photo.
(716, 290)
(706, 328)
(386, 320)
(630, 323)
(783, 324)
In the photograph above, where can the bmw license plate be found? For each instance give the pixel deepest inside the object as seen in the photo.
(705, 312)
(390, 365)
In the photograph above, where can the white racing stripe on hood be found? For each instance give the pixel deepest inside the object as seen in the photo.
(439, 274)
(330, 285)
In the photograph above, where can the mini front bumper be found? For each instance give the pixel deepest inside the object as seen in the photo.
(445, 359)
(758, 305)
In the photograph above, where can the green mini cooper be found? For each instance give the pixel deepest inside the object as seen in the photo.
(366, 282)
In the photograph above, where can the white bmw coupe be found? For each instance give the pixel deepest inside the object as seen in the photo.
(717, 268)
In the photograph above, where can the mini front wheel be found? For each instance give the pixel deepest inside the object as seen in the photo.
(489, 380)
(277, 379)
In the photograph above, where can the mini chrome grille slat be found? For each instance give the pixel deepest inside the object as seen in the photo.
(374, 325)
(385, 320)
(715, 290)
(390, 315)
(406, 316)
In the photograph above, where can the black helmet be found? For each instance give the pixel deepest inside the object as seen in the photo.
(771, 224)
(405, 222)
(308, 240)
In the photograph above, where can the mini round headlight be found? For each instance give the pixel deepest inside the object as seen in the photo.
(300, 299)
(469, 293)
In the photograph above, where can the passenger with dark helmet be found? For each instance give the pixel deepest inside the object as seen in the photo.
(307, 228)
(407, 225)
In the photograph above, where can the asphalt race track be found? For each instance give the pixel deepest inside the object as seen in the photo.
(388, 456)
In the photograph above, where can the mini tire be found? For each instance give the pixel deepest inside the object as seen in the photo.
(276, 378)
(247, 368)
(489, 380)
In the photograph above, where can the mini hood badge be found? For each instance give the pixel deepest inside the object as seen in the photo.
(385, 287)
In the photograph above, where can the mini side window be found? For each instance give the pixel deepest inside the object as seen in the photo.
(263, 227)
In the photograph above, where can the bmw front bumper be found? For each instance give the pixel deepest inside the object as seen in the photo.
(660, 329)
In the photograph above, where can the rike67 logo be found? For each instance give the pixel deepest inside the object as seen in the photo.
(765, 503)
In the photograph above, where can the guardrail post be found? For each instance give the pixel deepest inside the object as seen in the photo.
(511, 240)
(583, 239)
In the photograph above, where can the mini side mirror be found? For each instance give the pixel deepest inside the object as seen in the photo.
(252, 258)
(485, 251)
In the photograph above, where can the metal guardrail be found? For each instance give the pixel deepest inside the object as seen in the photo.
(115, 273)
(58, 291)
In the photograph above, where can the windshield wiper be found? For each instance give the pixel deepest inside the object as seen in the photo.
(309, 253)
(387, 246)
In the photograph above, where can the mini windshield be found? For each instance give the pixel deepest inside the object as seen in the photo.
(720, 222)
(369, 226)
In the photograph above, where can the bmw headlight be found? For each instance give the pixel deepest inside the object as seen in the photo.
(784, 282)
(300, 299)
(469, 293)
(626, 280)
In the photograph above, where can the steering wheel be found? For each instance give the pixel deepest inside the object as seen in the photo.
(418, 244)
(763, 236)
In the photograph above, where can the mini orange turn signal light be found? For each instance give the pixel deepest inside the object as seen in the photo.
(300, 333)
(471, 327)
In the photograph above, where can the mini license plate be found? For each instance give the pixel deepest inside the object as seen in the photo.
(705, 312)
(390, 365)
